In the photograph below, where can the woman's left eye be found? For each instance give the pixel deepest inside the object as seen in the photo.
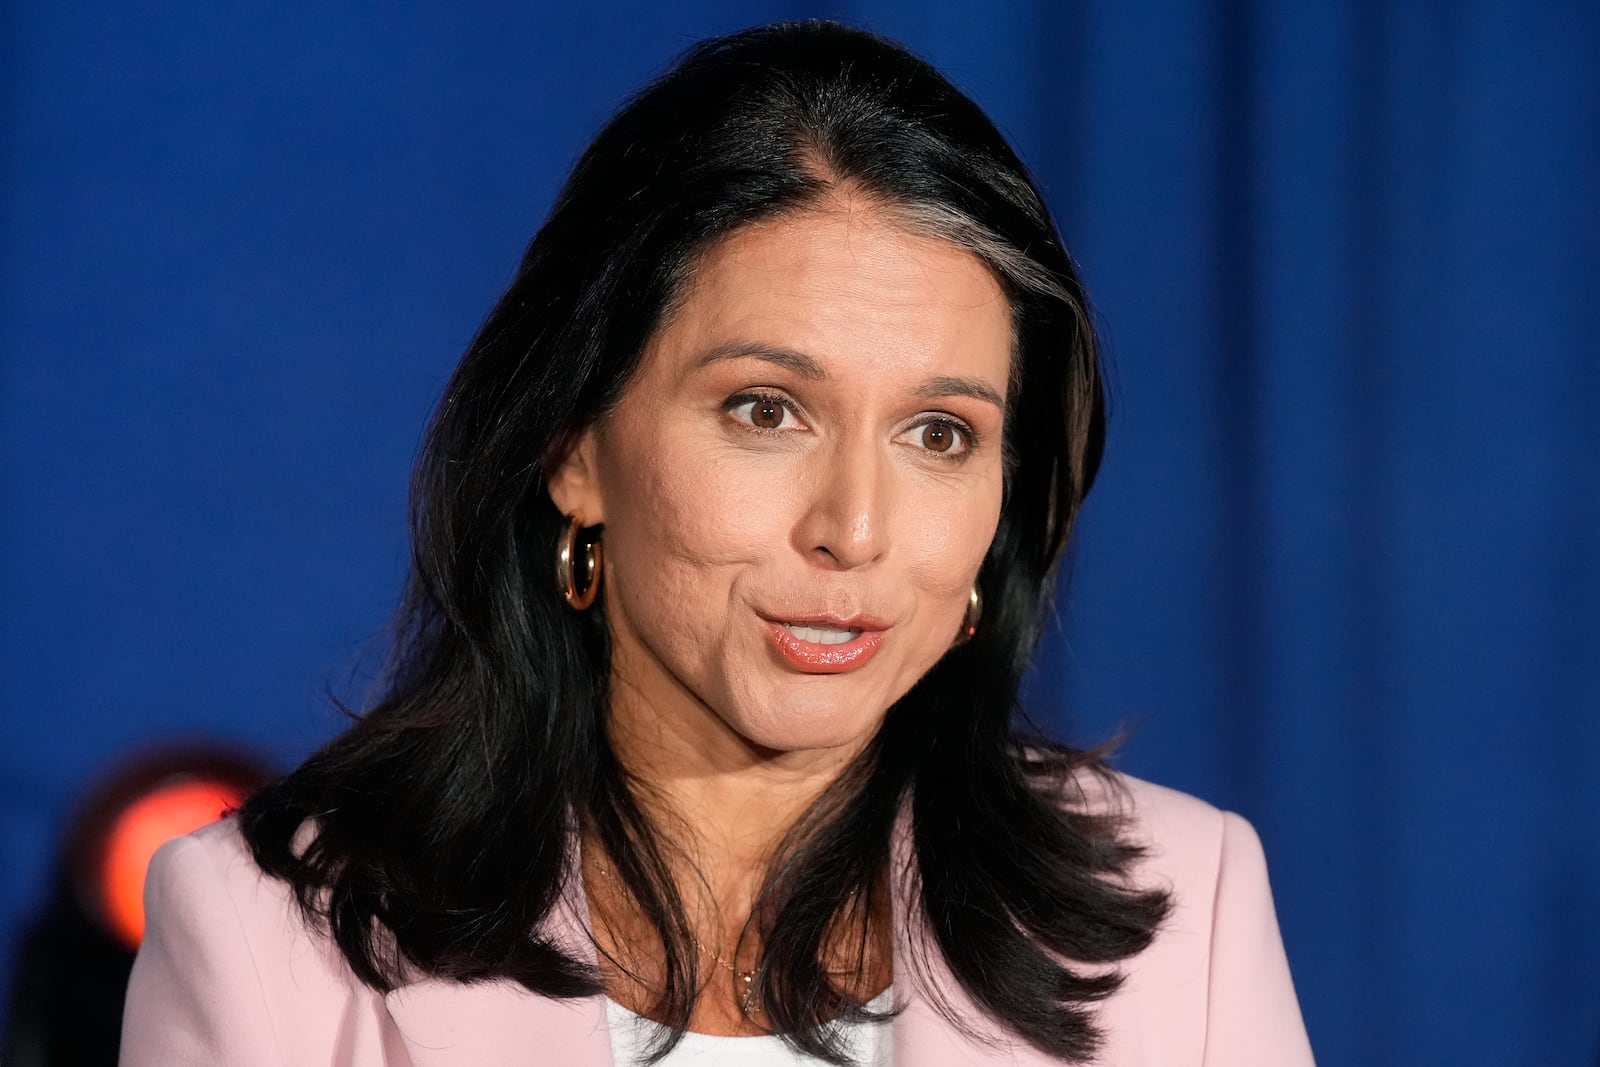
(940, 436)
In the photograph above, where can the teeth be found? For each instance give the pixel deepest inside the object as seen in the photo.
(822, 635)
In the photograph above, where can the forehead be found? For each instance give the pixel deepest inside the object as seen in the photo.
(846, 283)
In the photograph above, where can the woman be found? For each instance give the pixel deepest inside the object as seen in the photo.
(733, 534)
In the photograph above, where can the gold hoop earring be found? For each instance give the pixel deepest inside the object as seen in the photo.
(577, 598)
(969, 621)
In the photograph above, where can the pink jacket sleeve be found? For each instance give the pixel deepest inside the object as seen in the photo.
(195, 996)
(1252, 1015)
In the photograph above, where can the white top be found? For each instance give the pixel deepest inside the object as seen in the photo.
(869, 1044)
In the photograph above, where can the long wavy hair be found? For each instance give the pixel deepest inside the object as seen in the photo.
(434, 835)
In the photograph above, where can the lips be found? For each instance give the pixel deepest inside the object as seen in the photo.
(826, 644)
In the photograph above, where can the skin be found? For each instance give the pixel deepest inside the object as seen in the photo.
(869, 347)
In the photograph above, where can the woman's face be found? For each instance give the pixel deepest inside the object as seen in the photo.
(801, 481)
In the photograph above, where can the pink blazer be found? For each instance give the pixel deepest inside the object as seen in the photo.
(229, 974)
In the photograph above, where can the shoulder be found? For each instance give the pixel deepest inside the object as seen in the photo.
(1190, 848)
(215, 857)
(1215, 977)
(212, 869)
(1186, 841)
(228, 958)
(214, 866)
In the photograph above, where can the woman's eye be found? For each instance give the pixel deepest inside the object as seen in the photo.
(762, 412)
(940, 436)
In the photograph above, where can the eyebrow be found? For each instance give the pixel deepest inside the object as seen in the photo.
(935, 388)
(802, 364)
(810, 369)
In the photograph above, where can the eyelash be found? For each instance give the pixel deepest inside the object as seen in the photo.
(969, 437)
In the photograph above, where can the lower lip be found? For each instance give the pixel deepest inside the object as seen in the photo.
(824, 659)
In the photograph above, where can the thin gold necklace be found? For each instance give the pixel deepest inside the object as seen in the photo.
(749, 1002)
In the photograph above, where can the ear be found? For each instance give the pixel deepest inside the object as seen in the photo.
(574, 480)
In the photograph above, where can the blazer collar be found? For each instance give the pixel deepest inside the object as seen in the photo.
(449, 1024)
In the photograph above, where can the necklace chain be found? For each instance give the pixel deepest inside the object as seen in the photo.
(749, 1003)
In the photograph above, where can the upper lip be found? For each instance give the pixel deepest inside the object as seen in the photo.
(829, 620)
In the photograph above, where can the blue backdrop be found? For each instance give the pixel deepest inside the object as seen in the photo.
(1342, 571)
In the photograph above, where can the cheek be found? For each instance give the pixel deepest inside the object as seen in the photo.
(947, 540)
(680, 528)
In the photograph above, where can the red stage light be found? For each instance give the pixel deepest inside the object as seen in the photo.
(78, 951)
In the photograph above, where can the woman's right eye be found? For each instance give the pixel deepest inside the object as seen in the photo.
(762, 412)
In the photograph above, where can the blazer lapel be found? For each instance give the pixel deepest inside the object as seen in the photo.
(448, 1024)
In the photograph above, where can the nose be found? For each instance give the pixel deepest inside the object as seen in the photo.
(844, 525)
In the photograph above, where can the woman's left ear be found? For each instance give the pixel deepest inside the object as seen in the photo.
(573, 480)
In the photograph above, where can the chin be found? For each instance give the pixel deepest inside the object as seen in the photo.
(801, 724)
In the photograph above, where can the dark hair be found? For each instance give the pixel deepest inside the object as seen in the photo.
(443, 819)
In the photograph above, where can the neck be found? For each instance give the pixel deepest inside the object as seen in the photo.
(724, 806)
(723, 802)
